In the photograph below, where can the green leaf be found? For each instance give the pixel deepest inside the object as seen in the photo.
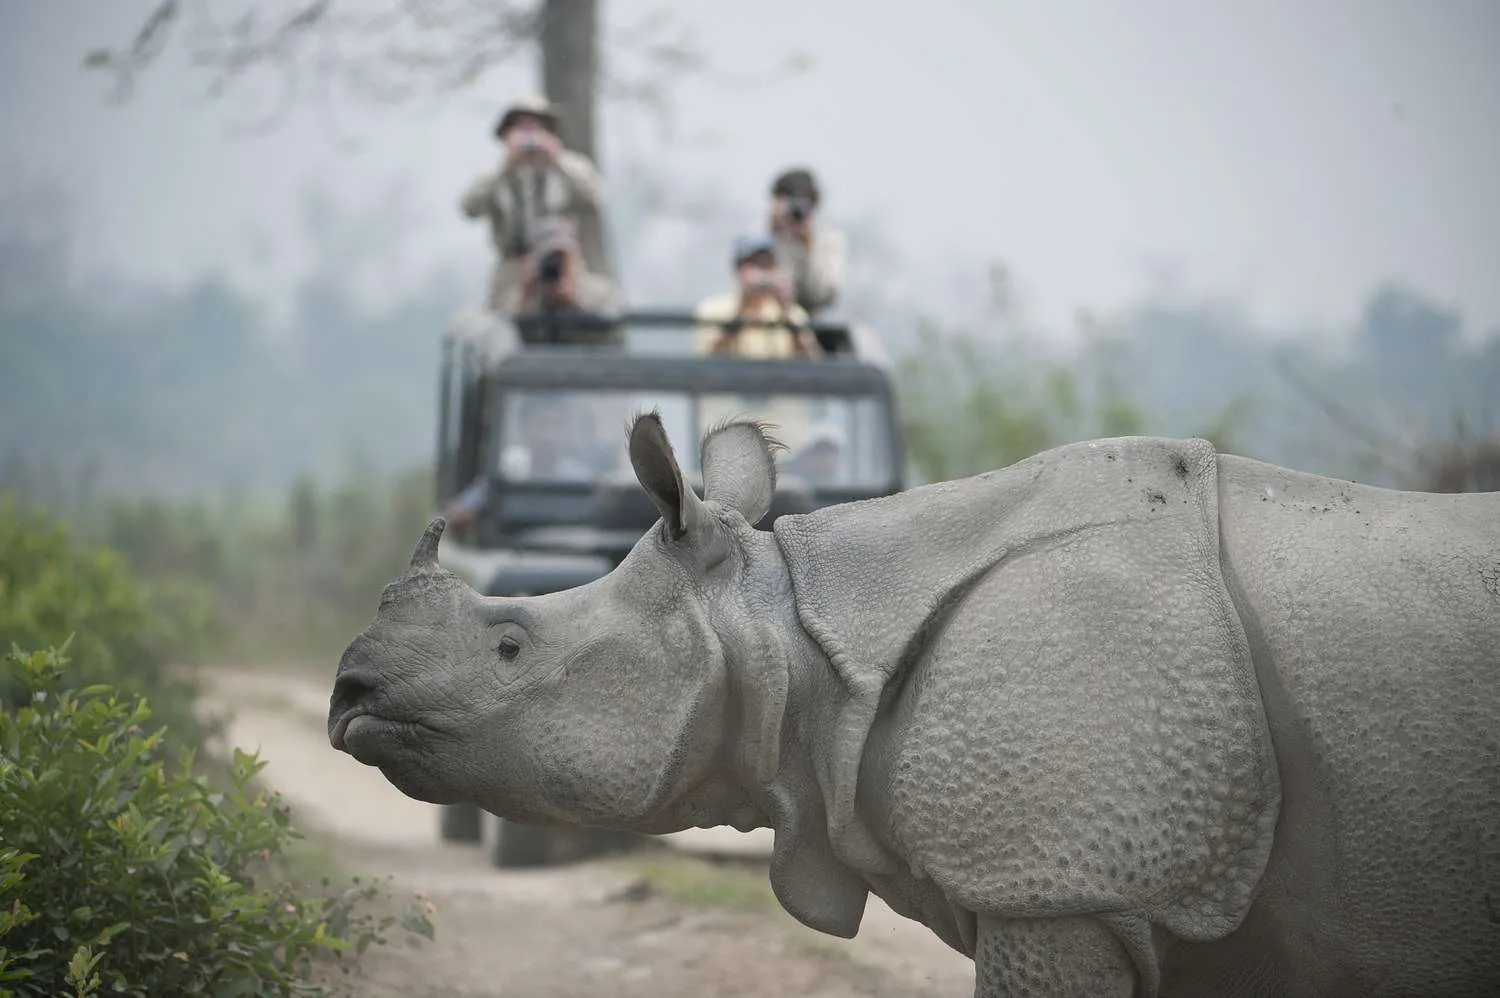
(109, 933)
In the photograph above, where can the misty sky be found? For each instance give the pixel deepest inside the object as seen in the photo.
(1290, 155)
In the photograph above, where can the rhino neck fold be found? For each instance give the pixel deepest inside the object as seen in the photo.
(810, 876)
(779, 675)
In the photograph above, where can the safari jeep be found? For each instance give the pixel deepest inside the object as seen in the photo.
(540, 429)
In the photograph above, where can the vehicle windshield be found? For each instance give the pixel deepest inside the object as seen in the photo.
(560, 436)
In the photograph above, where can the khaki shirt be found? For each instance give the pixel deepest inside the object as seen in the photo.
(817, 274)
(756, 342)
(513, 199)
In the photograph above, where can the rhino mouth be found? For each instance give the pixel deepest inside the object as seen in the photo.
(361, 706)
(340, 728)
(365, 734)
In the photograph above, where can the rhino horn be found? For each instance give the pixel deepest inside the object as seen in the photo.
(425, 555)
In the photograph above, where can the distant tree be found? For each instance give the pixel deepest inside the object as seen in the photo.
(968, 408)
(1403, 403)
(1406, 338)
(1465, 466)
(987, 398)
(35, 228)
(302, 513)
(402, 50)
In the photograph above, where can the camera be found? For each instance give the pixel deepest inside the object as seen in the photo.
(798, 208)
(528, 142)
(549, 270)
(761, 280)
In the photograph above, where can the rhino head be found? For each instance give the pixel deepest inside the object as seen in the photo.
(648, 700)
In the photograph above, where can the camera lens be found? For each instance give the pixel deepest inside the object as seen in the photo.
(551, 267)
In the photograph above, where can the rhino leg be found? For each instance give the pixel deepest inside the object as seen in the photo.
(1051, 958)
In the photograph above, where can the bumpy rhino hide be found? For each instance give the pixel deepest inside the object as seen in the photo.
(1070, 718)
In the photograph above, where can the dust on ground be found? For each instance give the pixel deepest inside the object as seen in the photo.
(661, 922)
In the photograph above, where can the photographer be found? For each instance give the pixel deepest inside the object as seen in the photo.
(774, 325)
(555, 283)
(812, 254)
(539, 179)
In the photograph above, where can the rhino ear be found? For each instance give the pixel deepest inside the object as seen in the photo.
(656, 468)
(739, 467)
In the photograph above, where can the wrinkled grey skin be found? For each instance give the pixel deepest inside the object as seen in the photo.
(1126, 718)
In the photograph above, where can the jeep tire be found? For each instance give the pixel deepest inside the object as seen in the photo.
(461, 823)
(518, 846)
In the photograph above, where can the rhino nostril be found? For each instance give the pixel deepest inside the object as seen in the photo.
(350, 688)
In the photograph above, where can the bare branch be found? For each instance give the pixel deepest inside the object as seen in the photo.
(148, 43)
(408, 49)
(385, 57)
(671, 54)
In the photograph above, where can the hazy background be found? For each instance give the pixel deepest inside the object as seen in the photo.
(1271, 224)
(189, 306)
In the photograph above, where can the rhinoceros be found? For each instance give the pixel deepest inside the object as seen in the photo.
(1129, 717)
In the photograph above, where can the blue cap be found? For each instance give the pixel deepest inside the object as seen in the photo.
(747, 246)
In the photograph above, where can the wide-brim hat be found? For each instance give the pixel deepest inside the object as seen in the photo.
(534, 105)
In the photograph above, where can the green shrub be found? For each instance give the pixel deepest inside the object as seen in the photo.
(118, 877)
(968, 406)
(54, 591)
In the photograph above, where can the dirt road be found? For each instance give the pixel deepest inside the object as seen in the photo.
(661, 923)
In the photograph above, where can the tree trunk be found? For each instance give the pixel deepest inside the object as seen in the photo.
(570, 55)
(570, 74)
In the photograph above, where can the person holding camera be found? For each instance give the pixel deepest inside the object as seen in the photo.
(554, 284)
(759, 320)
(812, 254)
(539, 179)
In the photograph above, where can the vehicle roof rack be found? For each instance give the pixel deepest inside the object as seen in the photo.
(500, 336)
(560, 367)
(834, 338)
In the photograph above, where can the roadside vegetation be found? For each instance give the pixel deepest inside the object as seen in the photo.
(132, 862)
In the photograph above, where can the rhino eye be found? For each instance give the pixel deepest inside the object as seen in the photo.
(509, 648)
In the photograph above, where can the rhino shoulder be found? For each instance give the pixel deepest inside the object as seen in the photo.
(1046, 606)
